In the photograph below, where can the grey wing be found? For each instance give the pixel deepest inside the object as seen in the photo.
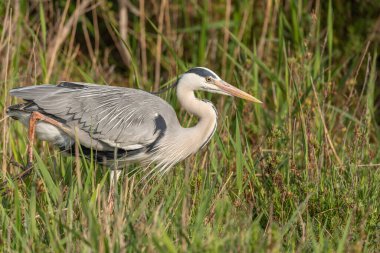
(118, 117)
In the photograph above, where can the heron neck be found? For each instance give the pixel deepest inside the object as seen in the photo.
(199, 134)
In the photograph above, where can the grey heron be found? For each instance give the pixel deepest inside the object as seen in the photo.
(122, 125)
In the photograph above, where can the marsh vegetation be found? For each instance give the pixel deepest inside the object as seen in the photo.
(299, 173)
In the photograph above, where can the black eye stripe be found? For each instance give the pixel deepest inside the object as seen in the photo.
(202, 72)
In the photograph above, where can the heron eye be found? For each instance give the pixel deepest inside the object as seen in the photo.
(208, 79)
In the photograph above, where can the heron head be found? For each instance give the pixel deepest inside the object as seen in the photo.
(204, 79)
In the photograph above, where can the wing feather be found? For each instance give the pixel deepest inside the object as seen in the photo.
(119, 117)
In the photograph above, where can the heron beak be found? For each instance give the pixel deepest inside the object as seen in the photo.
(232, 90)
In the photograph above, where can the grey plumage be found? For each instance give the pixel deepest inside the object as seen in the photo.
(105, 117)
(139, 125)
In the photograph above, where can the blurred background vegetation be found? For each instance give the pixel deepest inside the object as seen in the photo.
(301, 173)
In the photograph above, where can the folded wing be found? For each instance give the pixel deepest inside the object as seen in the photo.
(111, 116)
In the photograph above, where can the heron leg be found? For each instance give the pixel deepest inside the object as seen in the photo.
(34, 118)
(114, 178)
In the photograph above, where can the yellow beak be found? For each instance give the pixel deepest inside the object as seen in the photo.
(232, 90)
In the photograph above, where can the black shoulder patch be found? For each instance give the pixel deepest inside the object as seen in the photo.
(202, 72)
(70, 85)
(160, 124)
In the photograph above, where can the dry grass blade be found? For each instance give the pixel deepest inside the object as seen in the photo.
(6, 63)
(159, 45)
(143, 41)
(226, 37)
(62, 33)
(263, 37)
(123, 24)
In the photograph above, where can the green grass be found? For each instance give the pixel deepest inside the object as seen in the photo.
(299, 173)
